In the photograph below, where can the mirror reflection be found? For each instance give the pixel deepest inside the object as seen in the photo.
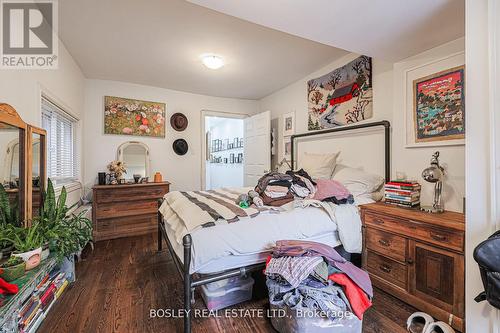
(9, 168)
(36, 165)
(135, 155)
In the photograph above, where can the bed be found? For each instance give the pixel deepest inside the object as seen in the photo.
(223, 250)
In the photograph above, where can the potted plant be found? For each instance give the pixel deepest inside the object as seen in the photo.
(12, 269)
(9, 215)
(27, 243)
(65, 233)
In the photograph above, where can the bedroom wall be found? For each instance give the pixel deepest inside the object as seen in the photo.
(22, 89)
(184, 172)
(388, 86)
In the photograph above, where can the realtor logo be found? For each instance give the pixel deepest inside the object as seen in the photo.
(29, 34)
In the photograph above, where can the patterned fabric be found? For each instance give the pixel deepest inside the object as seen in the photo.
(207, 208)
(293, 269)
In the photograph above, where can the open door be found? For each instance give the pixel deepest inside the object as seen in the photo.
(257, 147)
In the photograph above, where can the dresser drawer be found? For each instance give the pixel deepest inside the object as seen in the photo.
(125, 226)
(418, 230)
(128, 193)
(126, 208)
(387, 269)
(385, 243)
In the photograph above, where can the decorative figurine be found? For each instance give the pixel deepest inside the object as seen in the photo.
(435, 174)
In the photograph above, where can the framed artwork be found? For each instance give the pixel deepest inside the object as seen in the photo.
(287, 147)
(434, 102)
(439, 106)
(289, 124)
(343, 96)
(124, 116)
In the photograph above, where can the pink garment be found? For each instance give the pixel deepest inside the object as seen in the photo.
(327, 188)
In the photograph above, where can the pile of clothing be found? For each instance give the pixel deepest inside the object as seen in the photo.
(277, 189)
(310, 276)
(274, 189)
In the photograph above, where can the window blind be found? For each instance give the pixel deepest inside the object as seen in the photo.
(62, 164)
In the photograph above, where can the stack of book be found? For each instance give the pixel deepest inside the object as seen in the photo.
(403, 193)
(38, 305)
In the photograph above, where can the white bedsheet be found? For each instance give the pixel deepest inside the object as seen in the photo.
(249, 240)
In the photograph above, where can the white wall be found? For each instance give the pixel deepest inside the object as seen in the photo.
(184, 172)
(65, 85)
(482, 150)
(387, 104)
(221, 174)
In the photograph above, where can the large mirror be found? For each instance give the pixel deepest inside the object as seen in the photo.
(12, 170)
(135, 156)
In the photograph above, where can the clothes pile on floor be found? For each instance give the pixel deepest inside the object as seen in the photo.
(312, 281)
(277, 189)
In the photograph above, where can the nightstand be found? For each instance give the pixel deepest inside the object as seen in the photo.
(417, 257)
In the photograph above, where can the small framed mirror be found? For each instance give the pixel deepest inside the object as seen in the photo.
(135, 156)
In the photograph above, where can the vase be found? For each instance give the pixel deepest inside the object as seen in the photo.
(11, 273)
(31, 258)
(158, 178)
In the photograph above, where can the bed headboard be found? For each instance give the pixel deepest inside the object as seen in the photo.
(386, 125)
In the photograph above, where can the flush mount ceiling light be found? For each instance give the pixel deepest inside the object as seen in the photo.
(212, 61)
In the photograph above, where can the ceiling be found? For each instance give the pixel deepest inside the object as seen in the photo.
(388, 29)
(159, 43)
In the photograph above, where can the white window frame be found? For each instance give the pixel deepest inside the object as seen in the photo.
(63, 112)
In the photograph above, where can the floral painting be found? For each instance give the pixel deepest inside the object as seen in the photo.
(439, 106)
(343, 96)
(133, 117)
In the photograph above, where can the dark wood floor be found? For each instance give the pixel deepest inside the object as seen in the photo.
(121, 280)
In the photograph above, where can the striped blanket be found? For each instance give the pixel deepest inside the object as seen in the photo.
(202, 209)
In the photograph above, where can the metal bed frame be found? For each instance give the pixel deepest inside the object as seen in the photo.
(191, 281)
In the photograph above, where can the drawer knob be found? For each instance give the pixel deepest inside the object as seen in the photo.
(385, 268)
(384, 242)
(378, 221)
(409, 261)
(438, 237)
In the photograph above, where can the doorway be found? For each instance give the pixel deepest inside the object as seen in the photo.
(224, 151)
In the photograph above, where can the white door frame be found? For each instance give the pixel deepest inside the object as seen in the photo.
(211, 113)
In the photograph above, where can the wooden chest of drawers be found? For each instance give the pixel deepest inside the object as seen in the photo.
(126, 210)
(417, 257)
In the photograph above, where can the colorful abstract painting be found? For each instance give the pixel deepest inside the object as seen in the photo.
(439, 106)
(343, 96)
(133, 117)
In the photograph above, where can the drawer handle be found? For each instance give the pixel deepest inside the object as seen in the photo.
(383, 242)
(409, 261)
(438, 237)
(385, 268)
(378, 221)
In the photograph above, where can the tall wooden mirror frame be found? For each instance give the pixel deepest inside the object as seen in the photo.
(8, 115)
(29, 167)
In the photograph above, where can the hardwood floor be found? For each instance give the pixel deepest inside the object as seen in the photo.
(121, 280)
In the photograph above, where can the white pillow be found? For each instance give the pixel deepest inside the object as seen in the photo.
(357, 181)
(319, 166)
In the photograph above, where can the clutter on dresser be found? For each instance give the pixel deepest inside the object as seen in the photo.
(158, 177)
(405, 193)
(435, 174)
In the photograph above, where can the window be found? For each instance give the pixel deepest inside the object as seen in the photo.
(62, 165)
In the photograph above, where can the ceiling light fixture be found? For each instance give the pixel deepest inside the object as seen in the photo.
(212, 61)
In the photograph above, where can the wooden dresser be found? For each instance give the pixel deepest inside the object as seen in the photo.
(418, 257)
(126, 210)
